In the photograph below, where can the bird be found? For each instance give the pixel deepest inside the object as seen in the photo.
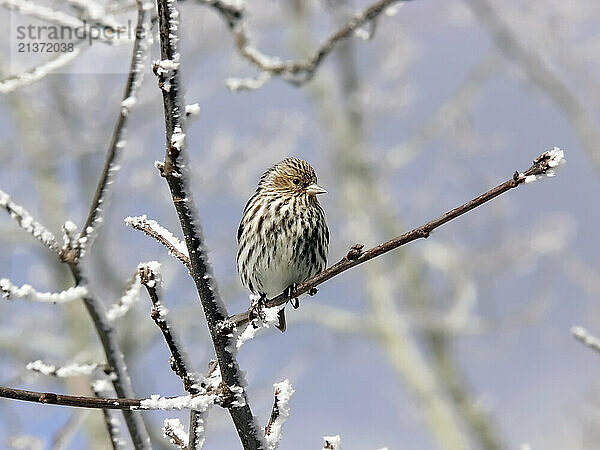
(283, 237)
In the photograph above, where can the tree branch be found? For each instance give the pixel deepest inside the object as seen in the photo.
(173, 170)
(583, 336)
(543, 165)
(152, 403)
(296, 72)
(134, 80)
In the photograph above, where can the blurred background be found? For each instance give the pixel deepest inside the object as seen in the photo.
(460, 341)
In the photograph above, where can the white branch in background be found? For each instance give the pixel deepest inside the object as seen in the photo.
(247, 84)
(26, 221)
(29, 8)
(556, 158)
(192, 111)
(131, 295)
(280, 413)
(26, 292)
(332, 442)
(71, 370)
(153, 229)
(582, 335)
(173, 431)
(38, 72)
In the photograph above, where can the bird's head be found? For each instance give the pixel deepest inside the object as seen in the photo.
(292, 176)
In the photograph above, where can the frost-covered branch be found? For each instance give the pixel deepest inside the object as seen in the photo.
(332, 442)
(583, 336)
(300, 72)
(117, 143)
(279, 414)
(155, 402)
(173, 431)
(102, 388)
(47, 14)
(38, 72)
(149, 275)
(26, 292)
(28, 223)
(129, 298)
(70, 370)
(153, 229)
(174, 170)
(543, 165)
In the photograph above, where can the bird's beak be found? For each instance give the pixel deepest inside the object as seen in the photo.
(315, 189)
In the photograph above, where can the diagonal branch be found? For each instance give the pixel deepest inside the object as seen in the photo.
(28, 223)
(173, 169)
(153, 229)
(134, 81)
(543, 165)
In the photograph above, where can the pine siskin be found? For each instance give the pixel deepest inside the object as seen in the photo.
(283, 237)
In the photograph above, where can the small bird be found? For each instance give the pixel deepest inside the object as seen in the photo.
(283, 237)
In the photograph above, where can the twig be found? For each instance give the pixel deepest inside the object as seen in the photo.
(129, 298)
(543, 165)
(38, 72)
(150, 277)
(332, 442)
(153, 229)
(116, 361)
(26, 292)
(197, 430)
(155, 402)
(28, 223)
(173, 170)
(279, 413)
(173, 430)
(102, 388)
(290, 70)
(70, 370)
(134, 80)
(583, 336)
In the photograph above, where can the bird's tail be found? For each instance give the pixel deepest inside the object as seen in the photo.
(281, 315)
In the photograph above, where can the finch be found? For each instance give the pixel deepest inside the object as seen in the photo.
(283, 236)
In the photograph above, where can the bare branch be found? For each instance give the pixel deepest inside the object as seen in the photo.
(172, 169)
(583, 336)
(543, 165)
(153, 229)
(27, 222)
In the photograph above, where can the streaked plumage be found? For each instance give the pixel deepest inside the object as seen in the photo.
(283, 237)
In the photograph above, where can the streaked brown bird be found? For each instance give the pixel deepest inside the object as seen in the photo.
(283, 237)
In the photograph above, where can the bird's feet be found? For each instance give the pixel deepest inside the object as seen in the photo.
(288, 293)
(256, 310)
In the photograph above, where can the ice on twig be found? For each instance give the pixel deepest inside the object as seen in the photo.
(174, 431)
(547, 164)
(281, 412)
(332, 442)
(70, 370)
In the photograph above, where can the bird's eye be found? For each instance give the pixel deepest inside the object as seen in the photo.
(296, 181)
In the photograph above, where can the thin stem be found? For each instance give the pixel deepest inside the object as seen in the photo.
(134, 80)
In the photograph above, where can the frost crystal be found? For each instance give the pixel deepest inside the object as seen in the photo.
(555, 158)
(130, 298)
(332, 442)
(173, 430)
